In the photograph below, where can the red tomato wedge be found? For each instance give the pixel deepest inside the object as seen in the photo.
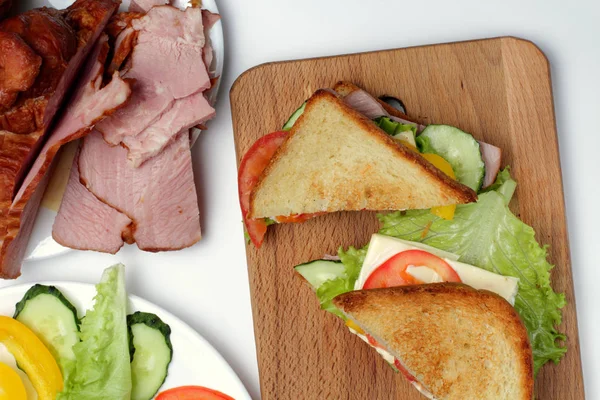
(297, 217)
(192, 393)
(397, 363)
(253, 164)
(393, 272)
(401, 368)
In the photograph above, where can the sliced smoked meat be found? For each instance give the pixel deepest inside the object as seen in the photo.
(85, 223)
(176, 38)
(159, 196)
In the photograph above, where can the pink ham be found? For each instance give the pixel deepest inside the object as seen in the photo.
(85, 223)
(365, 104)
(89, 104)
(208, 20)
(159, 196)
(145, 5)
(176, 38)
(492, 158)
(185, 114)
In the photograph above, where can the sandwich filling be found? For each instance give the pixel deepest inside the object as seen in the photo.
(387, 356)
(497, 252)
(411, 136)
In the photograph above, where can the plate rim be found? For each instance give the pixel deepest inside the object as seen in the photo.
(74, 285)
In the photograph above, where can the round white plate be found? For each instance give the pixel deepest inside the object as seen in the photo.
(41, 245)
(195, 361)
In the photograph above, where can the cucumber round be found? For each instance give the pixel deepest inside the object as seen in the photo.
(153, 354)
(459, 148)
(53, 319)
(292, 120)
(320, 271)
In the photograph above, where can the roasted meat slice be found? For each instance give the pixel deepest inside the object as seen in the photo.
(123, 37)
(19, 66)
(48, 34)
(160, 196)
(177, 37)
(25, 128)
(85, 223)
(84, 16)
(146, 5)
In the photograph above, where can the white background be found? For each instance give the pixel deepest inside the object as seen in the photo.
(207, 285)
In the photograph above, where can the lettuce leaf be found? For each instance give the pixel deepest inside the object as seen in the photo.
(488, 235)
(103, 370)
(393, 128)
(352, 260)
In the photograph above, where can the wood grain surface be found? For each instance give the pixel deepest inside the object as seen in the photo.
(497, 89)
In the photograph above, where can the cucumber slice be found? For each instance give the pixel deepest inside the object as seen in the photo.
(53, 319)
(459, 148)
(320, 271)
(290, 122)
(153, 354)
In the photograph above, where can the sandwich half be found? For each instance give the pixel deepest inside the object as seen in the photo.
(336, 159)
(450, 340)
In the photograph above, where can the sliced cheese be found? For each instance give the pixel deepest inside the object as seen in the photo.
(382, 248)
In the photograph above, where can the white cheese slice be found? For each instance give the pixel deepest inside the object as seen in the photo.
(382, 248)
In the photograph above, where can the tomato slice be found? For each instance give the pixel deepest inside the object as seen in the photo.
(253, 164)
(401, 368)
(192, 393)
(397, 363)
(297, 217)
(393, 272)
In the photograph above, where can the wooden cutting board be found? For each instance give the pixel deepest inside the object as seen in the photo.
(497, 89)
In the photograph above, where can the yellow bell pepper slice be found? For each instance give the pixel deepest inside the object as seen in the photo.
(353, 325)
(33, 357)
(445, 212)
(11, 385)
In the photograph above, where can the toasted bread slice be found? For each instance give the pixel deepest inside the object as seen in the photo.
(335, 159)
(458, 342)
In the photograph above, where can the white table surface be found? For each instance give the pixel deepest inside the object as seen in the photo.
(207, 285)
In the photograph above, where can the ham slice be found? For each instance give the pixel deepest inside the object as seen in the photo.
(176, 38)
(185, 114)
(145, 5)
(365, 104)
(159, 196)
(89, 104)
(85, 223)
(492, 158)
(208, 20)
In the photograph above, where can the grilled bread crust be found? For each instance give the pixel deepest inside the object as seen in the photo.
(335, 159)
(459, 342)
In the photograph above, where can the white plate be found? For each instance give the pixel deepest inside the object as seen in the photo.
(41, 245)
(195, 361)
